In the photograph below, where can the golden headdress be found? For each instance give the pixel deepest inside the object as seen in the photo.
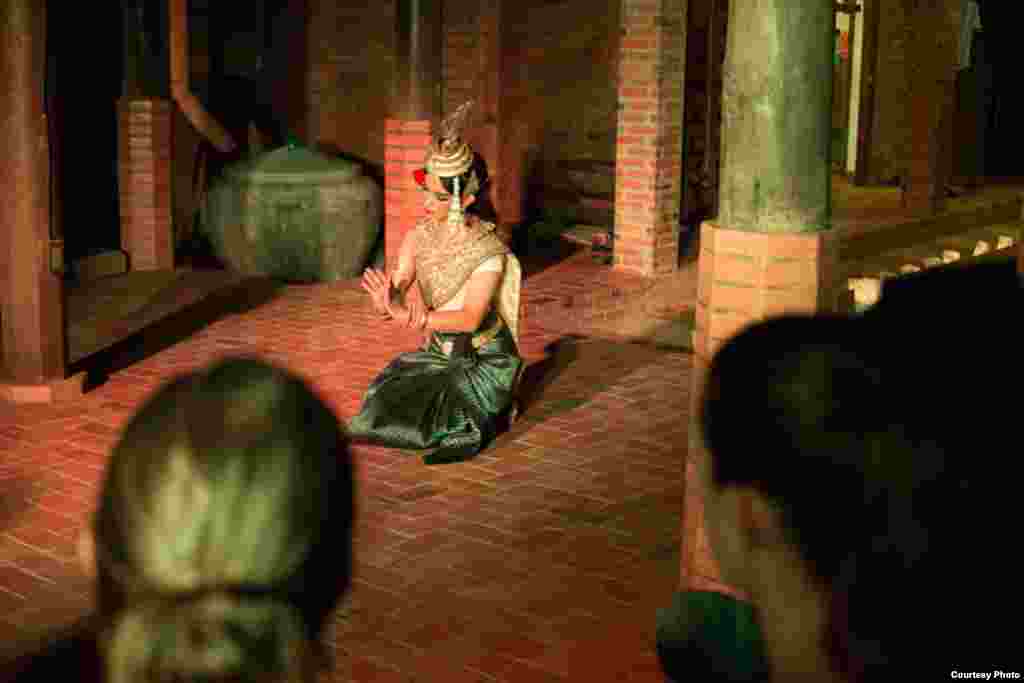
(450, 156)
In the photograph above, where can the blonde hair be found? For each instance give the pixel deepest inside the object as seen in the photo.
(212, 544)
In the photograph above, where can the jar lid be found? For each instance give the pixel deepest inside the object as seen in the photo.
(295, 164)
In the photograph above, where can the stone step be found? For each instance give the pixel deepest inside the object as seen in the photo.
(923, 256)
(890, 264)
(866, 291)
(866, 276)
(1003, 211)
(950, 255)
(1004, 231)
(958, 248)
(978, 243)
(939, 251)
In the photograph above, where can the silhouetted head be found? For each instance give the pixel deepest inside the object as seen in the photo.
(860, 475)
(223, 532)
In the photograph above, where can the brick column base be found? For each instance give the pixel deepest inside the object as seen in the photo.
(744, 277)
(144, 150)
(55, 391)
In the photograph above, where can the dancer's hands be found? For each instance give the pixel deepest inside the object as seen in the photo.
(378, 286)
(417, 313)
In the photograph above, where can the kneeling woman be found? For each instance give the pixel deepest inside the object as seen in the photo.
(448, 396)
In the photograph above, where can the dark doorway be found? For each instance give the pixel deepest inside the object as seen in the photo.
(83, 82)
(707, 26)
(999, 99)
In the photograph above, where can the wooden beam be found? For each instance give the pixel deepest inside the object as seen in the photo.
(931, 105)
(488, 136)
(33, 311)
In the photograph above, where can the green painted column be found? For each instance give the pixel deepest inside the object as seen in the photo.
(776, 116)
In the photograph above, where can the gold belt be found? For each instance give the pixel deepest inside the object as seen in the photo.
(481, 339)
(478, 340)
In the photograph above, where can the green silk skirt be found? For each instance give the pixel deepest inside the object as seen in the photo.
(446, 402)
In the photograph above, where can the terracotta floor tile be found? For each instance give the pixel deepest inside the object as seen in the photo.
(37, 539)
(476, 572)
(378, 536)
(433, 633)
(513, 671)
(484, 533)
(10, 601)
(383, 651)
(430, 668)
(375, 600)
(514, 645)
(367, 670)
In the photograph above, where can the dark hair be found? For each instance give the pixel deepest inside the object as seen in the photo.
(883, 447)
(223, 533)
(808, 399)
(947, 341)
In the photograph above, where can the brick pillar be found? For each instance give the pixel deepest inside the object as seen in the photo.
(769, 252)
(405, 145)
(489, 135)
(649, 146)
(144, 148)
(461, 52)
(33, 368)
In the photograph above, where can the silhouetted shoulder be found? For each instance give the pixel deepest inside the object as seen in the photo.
(71, 655)
(950, 286)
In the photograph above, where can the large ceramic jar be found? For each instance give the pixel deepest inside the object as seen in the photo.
(294, 214)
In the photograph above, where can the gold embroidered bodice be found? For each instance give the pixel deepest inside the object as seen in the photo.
(446, 258)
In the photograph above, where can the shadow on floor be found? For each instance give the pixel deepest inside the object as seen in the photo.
(675, 334)
(583, 367)
(540, 375)
(536, 258)
(245, 295)
(15, 501)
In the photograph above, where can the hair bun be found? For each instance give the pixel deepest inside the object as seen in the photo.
(216, 635)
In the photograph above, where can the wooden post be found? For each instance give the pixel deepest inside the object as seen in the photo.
(932, 102)
(33, 312)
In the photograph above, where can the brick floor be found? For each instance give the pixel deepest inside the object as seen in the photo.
(543, 559)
